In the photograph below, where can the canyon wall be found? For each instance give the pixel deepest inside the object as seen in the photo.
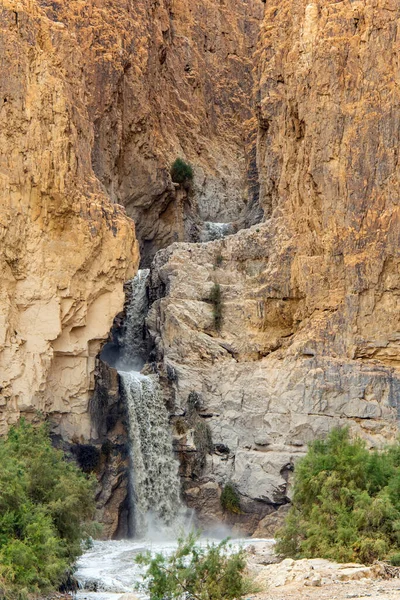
(97, 100)
(310, 298)
(65, 249)
(166, 79)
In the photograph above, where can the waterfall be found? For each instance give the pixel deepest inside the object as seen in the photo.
(133, 342)
(154, 481)
(215, 231)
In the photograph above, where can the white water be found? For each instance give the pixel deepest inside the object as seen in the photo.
(215, 231)
(154, 483)
(108, 570)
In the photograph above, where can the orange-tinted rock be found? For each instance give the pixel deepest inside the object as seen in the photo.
(163, 80)
(65, 250)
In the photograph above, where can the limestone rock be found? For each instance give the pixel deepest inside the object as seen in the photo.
(254, 381)
(65, 249)
(311, 327)
(314, 572)
(163, 80)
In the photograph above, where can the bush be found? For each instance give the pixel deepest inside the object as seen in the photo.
(181, 426)
(230, 500)
(346, 503)
(45, 506)
(202, 573)
(181, 172)
(216, 301)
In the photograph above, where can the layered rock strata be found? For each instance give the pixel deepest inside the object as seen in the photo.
(66, 250)
(167, 79)
(310, 331)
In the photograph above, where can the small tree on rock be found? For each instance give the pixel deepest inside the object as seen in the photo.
(181, 172)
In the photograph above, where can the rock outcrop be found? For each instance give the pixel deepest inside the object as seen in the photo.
(167, 79)
(65, 249)
(297, 578)
(310, 332)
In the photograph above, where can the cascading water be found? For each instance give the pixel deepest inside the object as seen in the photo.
(215, 231)
(154, 482)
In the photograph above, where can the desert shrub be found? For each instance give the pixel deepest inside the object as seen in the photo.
(45, 506)
(219, 259)
(216, 301)
(194, 402)
(212, 572)
(203, 441)
(230, 500)
(346, 502)
(181, 172)
(181, 426)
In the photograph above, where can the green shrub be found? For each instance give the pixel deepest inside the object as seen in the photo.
(45, 506)
(181, 172)
(181, 426)
(395, 559)
(219, 259)
(346, 502)
(216, 301)
(199, 573)
(230, 500)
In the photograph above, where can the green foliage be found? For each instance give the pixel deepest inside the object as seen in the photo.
(200, 573)
(202, 436)
(230, 500)
(181, 426)
(219, 259)
(181, 172)
(45, 504)
(216, 301)
(346, 503)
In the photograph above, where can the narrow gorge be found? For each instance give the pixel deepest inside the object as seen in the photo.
(265, 311)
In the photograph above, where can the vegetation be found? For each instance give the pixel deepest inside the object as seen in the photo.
(219, 259)
(181, 425)
(216, 301)
(212, 572)
(202, 440)
(230, 500)
(346, 503)
(45, 506)
(181, 172)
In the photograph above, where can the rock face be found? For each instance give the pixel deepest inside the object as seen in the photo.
(296, 574)
(167, 79)
(97, 99)
(65, 249)
(310, 332)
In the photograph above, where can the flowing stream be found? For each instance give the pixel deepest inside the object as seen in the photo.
(215, 231)
(108, 570)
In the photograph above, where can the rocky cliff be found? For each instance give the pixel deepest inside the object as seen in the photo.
(166, 79)
(310, 329)
(265, 339)
(97, 100)
(65, 249)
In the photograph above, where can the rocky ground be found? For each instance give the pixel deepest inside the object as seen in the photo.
(380, 590)
(319, 578)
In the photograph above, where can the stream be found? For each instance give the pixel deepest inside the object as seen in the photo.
(108, 570)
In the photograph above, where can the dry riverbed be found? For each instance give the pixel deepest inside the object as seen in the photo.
(319, 579)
